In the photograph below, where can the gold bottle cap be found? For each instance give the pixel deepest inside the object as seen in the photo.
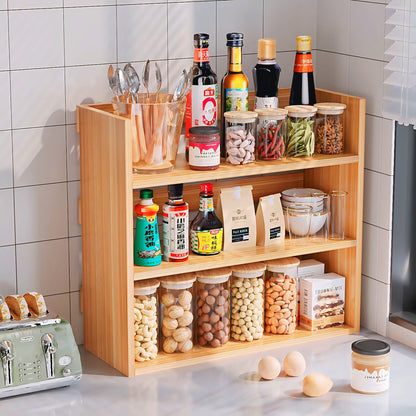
(266, 49)
(303, 43)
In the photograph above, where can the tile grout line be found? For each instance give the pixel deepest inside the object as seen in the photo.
(167, 46)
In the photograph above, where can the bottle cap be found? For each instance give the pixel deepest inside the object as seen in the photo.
(201, 40)
(146, 194)
(206, 187)
(175, 191)
(303, 43)
(266, 49)
(235, 39)
(370, 347)
(204, 130)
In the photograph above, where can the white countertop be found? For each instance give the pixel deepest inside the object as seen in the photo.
(228, 387)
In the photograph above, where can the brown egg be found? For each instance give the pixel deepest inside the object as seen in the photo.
(315, 385)
(294, 364)
(269, 368)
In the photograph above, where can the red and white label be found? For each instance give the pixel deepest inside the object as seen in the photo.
(175, 232)
(204, 154)
(201, 55)
(204, 105)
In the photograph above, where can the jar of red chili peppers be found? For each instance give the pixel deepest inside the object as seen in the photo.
(271, 130)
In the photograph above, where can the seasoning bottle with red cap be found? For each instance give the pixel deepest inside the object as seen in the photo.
(206, 228)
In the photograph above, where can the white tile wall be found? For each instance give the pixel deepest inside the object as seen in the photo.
(8, 270)
(4, 41)
(332, 71)
(60, 303)
(5, 118)
(6, 217)
(6, 160)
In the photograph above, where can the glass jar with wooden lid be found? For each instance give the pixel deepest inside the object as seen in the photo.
(247, 301)
(213, 324)
(176, 295)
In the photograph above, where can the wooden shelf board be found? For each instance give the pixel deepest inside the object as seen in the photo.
(182, 173)
(233, 348)
(241, 256)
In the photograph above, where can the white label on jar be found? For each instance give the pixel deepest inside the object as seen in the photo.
(374, 382)
(175, 232)
(266, 102)
(204, 154)
(204, 105)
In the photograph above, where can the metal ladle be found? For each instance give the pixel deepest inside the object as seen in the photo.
(134, 81)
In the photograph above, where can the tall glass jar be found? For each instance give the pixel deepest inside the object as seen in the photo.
(247, 301)
(213, 324)
(145, 319)
(176, 317)
(281, 296)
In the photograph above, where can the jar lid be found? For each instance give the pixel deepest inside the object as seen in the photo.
(271, 113)
(214, 275)
(370, 347)
(330, 108)
(178, 281)
(204, 130)
(240, 116)
(277, 265)
(249, 270)
(301, 110)
(145, 286)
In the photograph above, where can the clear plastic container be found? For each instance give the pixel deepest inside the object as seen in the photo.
(300, 137)
(329, 130)
(271, 130)
(281, 296)
(239, 136)
(247, 301)
(176, 317)
(213, 323)
(145, 320)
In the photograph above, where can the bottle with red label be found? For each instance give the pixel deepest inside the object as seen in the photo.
(303, 86)
(201, 103)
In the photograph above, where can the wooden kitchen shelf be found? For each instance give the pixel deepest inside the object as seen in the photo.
(109, 191)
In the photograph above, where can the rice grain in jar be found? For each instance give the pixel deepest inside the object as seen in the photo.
(204, 148)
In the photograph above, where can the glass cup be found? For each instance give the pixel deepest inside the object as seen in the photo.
(320, 217)
(338, 201)
(298, 220)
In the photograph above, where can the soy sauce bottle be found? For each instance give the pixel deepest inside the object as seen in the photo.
(303, 86)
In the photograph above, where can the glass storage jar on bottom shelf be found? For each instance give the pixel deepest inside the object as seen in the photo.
(213, 324)
(247, 303)
(281, 296)
(176, 294)
(145, 320)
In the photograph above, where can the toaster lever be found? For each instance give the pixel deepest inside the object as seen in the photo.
(49, 351)
(7, 358)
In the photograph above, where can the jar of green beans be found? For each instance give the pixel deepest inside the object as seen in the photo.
(300, 137)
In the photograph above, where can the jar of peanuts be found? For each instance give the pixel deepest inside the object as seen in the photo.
(329, 128)
(271, 130)
(247, 301)
(145, 319)
(213, 324)
(176, 317)
(281, 296)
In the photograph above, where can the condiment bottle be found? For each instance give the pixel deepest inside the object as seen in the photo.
(201, 102)
(204, 148)
(266, 75)
(234, 84)
(146, 241)
(206, 228)
(303, 86)
(175, 226)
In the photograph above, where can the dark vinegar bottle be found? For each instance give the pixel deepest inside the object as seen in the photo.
(303, 86)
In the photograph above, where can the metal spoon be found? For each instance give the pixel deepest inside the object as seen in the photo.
(124, 83)
(181, 87)
(113, 82)
(145, 77)
(158, 79)
(134, 81)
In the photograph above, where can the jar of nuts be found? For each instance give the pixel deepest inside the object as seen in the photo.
(281, 296)
(176, 312)
(213, 324)
(247, 302)
(329, 136)
(145, 319)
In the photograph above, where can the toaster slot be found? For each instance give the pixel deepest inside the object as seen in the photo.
(7, 358)
(49, 351)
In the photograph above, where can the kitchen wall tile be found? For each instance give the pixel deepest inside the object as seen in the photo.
(378, 190)
(200, 17)
(74, 192)
(286, 61)
(72, 151)
(135, 24)
(7, 271)
(6, 160)
(41, 212)
(3, 4)
(34, 4)
(85, 85)
(77, 321)
(90, 35)
(367, 30)
(333, 25)
(243, 16)
(284, 20)
(43, 267)
(39, 155)
(4, 41)
(80, 3)
(36, 38)
(59, 304)
(176, 66)
(332, 73)
(379, 144)
(75, 263)
(38, 97)
(366, 80)
(376, 253)
(7, 217)
(5, 114)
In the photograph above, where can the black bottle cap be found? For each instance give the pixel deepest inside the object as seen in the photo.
(235, 39)
(204, 130)
(175, 191)
(370, 347)
(201, 40)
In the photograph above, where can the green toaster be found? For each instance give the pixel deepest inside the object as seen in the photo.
(37, 354)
